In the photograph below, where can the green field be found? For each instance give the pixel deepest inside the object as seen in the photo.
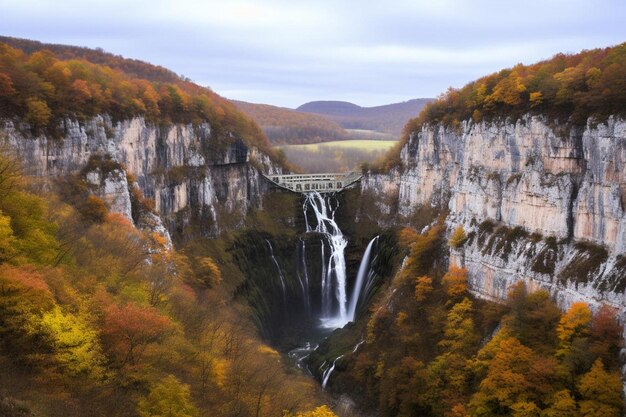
(360, 144)
(369, 134)
(336, 156)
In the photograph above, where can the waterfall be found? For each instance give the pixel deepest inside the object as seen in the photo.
(326, 375)
(304, 273)
(358, 345)
(360, 279)
(326, 225)
(280, 272)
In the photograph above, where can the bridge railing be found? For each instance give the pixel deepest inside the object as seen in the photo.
(325, 182)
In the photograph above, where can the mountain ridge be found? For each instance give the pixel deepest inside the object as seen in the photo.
(389, 118)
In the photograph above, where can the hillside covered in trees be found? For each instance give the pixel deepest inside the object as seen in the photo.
(568, 87)
(284, 126)
(389, 118)
(42, 84)
(99, 318)
(428, 347)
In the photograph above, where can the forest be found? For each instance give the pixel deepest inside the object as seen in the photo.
(567, 89)
(99, 318)
(430, 348)
(571, 88)
(42, 89)
(287, 127)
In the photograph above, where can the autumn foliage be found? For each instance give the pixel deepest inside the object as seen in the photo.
(47, 84)
(575, 87)
(434, 350)
(568, 88)
(96, 318)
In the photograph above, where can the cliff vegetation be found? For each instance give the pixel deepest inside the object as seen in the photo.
(44, 86)
(100, 318)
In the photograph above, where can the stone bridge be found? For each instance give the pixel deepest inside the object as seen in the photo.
(322, 183)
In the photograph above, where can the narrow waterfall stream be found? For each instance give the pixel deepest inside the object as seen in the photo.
(280, 272)
(364, 269)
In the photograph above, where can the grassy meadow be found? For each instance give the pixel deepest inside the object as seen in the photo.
(336, 156)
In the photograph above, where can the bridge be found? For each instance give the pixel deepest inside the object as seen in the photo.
(322, 183)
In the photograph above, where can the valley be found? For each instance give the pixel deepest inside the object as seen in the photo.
(147, 264)
(336, 156)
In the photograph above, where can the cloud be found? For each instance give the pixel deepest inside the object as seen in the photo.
(288, 52)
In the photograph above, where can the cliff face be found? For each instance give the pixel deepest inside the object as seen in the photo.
(537, 205)
(185, 169)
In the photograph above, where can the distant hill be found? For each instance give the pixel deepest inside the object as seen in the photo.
(390, 118)
(284, 126)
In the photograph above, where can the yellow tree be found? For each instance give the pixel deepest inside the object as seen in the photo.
(455, 281)
(168, 398)
(601, 393)
(562, 405)
(458, 237)
(573, 339)
(508, 90)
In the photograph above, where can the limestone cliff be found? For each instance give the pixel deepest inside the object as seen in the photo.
(193, 177)
(537, 204)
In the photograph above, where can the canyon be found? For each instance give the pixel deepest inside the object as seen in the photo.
(538, 202)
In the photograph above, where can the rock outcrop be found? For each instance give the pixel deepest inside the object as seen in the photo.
(537, 204)
(192, 176)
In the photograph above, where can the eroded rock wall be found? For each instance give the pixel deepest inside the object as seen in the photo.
(537, 183)
(188, 172)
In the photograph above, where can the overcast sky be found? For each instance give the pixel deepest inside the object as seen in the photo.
(290, 52)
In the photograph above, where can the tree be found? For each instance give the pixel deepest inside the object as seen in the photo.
(532, 318)
(7, 240)
(38, 113)
(423, 288)
(455, 281)
(322, 411)
(515, 375)
(601, 393)
(448, 373)
(508, 90)
(573, 335)
(209, 273)
(606, 336)
(76, 344)
(561, 405)
(525, 409)
(24, 299)
(168, 398)
(129, 329)
(458, 237)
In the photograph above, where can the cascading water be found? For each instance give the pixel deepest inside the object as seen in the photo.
(280, 272)
(328, 372)
(336, 266)
(303, 277)
(360, 279)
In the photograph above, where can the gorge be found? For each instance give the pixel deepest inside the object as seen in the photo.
(479, 270)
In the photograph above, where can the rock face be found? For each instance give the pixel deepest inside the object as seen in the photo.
(537, 205)
(185, 169)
